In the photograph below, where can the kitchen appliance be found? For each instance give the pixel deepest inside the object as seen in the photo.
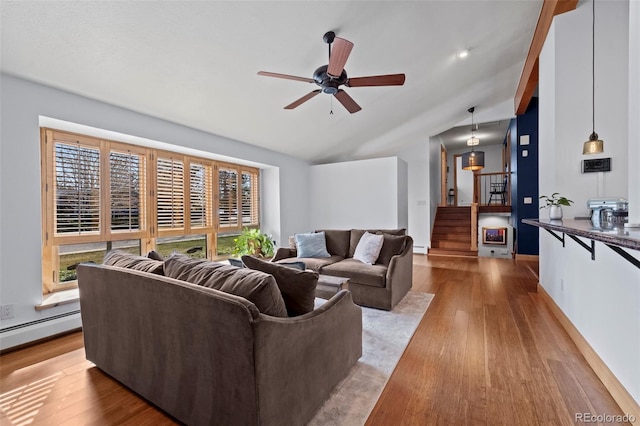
(608, 212)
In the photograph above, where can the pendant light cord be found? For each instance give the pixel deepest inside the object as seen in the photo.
(593, 67)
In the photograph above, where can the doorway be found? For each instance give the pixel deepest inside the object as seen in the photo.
(463, 183)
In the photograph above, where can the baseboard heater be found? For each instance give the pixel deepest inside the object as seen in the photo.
(39, 321)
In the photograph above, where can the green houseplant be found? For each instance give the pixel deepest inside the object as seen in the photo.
(554, 203)
(253, 242)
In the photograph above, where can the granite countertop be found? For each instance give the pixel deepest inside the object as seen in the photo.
(619, 236)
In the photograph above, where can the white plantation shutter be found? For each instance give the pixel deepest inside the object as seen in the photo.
(128, 182)
(250, 198)
(170, 193)
(77, 189)
(228, 198)
(200, 201)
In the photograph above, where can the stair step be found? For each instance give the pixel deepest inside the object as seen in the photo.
(452, 229)
(454, 216)
(445, 252)
(438, 236)
(456, 245)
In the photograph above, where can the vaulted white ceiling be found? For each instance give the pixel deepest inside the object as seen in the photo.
(195, 63)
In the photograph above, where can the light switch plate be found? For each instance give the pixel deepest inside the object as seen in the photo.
(524, 140)
(525, 153)
(528, 200)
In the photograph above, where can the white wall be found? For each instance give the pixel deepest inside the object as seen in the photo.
(358, 194)
(420, 194)
(634, 111)
(601, 297)
(22, 104)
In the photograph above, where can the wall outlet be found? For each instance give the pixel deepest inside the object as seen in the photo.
(6, 312)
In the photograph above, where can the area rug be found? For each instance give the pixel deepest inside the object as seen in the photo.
(385, 336)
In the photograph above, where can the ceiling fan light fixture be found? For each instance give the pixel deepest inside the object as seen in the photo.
(331, 76)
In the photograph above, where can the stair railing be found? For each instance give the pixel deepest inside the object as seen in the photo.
(474, 226)
(492, 189)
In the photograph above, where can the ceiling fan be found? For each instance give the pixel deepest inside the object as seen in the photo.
(330, 77)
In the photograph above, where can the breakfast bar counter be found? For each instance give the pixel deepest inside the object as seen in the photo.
(618, 238)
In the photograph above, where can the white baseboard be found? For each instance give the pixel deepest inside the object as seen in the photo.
(40, 330)
(420, 249)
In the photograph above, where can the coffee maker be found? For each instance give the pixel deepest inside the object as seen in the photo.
(607, 213)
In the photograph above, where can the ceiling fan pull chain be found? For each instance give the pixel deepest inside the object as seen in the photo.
(331, 103)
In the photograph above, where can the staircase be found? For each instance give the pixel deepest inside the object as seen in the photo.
(452, 232)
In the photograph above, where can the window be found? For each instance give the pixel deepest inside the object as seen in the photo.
(76, 189)
(170, 188)
(228, 194)
(100, 194)
(250, 200)
(127, 180)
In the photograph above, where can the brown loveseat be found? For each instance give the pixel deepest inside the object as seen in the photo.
(207, 357)
(381, 285)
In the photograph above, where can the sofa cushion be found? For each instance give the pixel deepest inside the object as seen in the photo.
(131, 261)
(313, 263)
(312, 244)
(298, 287)
(257, 287)
(368, 248)
(155, 256)
(337, 241)
(392, 246)
(356, 271)
(356, 234)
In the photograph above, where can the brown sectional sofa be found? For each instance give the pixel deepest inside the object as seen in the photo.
(208, 357)
(381, 285)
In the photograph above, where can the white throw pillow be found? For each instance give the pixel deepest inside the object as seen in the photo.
(368, 248)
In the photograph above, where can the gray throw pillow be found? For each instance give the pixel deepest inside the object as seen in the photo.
(298, 287)
(123, 259)
(312, 244)
(257, 287)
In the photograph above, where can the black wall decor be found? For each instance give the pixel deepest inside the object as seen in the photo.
(596, 165)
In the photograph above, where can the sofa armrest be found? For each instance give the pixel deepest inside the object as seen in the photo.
(283, 253)
(300, 360)
(400, 272)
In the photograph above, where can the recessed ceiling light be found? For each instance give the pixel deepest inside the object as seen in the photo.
(463, 53)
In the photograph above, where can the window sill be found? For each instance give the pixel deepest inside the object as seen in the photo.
(58, 298)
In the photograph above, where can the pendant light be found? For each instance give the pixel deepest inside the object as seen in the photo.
(472, 160)
(594, 145)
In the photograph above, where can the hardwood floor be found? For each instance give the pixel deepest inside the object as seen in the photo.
(487, 351)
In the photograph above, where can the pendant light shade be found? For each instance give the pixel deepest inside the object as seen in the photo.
(594, 145)
(473, 160)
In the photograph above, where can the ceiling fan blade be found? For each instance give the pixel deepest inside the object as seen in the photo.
(347, 101)
(377, 80)
(302, 100)
(285, 76)
(340, 51)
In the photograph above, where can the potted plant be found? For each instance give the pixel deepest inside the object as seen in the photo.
(554, 203)
(253, 242)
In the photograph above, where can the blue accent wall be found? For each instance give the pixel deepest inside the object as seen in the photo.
(525, 178)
